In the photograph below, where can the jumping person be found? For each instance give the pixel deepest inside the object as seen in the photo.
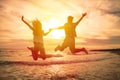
(38, 34)
(70, 33)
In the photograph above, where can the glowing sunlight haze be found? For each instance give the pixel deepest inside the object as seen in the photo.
(54, 23)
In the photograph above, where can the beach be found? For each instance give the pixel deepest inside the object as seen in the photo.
(19, 65)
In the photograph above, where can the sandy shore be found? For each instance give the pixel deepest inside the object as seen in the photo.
(95, 66)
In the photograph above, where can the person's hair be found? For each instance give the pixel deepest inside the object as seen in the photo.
(37, 24)
(70, 17)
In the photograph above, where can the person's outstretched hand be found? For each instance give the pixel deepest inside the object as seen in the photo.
(50, 29)
(22, 18)
(84, 14)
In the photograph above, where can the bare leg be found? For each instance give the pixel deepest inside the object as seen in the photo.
(34, 53)
(79, 50)
(57, 48)
(60, 48)
(42, 53)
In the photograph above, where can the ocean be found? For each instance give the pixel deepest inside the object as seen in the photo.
(19, 65)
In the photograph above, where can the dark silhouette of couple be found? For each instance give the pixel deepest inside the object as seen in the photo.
(69, 40)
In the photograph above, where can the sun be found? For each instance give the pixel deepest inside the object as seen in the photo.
(57, 34)
(54, 23)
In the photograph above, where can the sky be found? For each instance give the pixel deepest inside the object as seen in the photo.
(99, 29)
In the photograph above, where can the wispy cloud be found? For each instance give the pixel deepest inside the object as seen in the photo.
(111, 40)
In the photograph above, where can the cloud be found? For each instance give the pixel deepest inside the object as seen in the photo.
(15, 43)
(112, 12)
(49, 44)
(6, 31)
(110, 7)
(1, 7)
(111, 40)
(114, 40)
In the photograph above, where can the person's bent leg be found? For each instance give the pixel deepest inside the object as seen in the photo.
(79, 50)
(72, 46)
(62, 47)
(35, 54)
(85, 50)
(57, 48)
(42, 53)
(35, 51)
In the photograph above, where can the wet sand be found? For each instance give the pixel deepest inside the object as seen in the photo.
(94, 66)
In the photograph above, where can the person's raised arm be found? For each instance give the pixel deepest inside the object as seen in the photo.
(84, 14)
(26, 23)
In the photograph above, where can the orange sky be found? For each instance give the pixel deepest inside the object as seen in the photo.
(100, 27)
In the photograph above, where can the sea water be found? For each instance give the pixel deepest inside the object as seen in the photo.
(19, 65)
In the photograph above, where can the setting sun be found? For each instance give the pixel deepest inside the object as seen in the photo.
(54, 23)
(57, 34)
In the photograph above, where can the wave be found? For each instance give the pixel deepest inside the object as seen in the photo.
(43, 63)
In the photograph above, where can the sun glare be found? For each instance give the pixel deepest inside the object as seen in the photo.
(56, 34)
(54, 23)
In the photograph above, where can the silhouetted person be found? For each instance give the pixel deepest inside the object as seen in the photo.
(38, 34)
(70, 33)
